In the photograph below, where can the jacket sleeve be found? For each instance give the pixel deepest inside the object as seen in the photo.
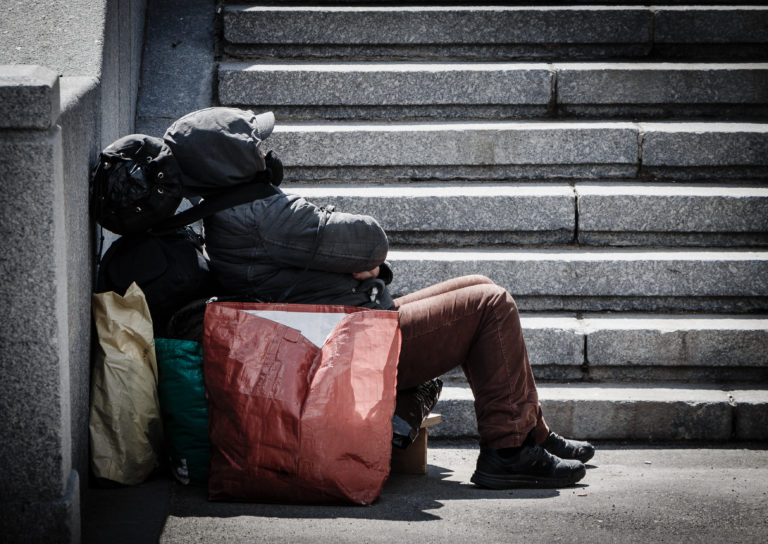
(347, 242)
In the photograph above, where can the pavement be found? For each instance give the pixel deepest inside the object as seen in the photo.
(631, 493)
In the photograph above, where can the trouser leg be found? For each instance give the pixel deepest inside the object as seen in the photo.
(473, 323)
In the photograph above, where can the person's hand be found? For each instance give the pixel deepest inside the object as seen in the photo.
(367, 274)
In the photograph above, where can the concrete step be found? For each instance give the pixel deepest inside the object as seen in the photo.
(389, 90)
(494, 32)
(692, 348)
(595, 214)
(648, 412)
(720, 281)
(493, 150)
(458, 214)
(671, 214)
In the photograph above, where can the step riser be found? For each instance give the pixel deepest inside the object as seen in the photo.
(645, 349)
(498, 91)
(520, 150)
(670, 216)
(455, 216)
(436, 26)
(495, 33)
(511, 214)
(610, 413)
(641, 281)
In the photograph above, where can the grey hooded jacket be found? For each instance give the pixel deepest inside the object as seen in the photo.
(285, 249)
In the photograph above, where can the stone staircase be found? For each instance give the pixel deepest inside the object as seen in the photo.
(607, 164)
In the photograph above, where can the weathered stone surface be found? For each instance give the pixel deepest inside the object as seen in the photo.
(597, 273)
(637, 412)
(79, 122)
(455, 208)
(683, 213)
(609, 412)
(34, 362)
(29, 97)
(67, 37)
(689, 340)
(553, 340)
(751, 407)
(664, 83)
(300, 90)
(693, 348)
(444, 150)
(427, 25)
(179, 36)
(46, 520)
(721, 24)
(384, 84)
(723, 149)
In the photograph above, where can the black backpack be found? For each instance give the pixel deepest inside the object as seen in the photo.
(170, 264)
(140, 181)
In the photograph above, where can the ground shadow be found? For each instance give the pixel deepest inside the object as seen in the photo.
(404, 498)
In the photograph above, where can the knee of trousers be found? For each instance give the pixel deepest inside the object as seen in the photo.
(479, 279)
(498, 297)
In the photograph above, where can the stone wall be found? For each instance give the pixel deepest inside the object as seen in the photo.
(68, 84)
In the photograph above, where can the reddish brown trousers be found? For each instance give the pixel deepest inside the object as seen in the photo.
(473, 323)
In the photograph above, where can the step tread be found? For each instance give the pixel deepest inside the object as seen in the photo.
(581, 255)
(621, 392)
(378, 66)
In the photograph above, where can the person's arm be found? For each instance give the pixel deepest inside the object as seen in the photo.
(348, 243)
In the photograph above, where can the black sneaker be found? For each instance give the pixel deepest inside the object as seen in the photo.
(568, 449)
(533, 466)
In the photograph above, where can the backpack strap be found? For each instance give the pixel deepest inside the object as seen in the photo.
(237, 194)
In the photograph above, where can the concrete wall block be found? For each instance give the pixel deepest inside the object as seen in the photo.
(384, 84)
(179, 35)
(706, 341)
(29, 97)
(435, 25)
(454, 208)
(664, 84)
(34, 361)
(80, 120)
(56, 520)
(674, 208)
(122, 34)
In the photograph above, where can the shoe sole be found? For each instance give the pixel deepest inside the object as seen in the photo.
(515, 481)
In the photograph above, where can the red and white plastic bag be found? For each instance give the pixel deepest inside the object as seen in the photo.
(301, 399)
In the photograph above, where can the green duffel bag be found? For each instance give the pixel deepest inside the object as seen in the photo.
(184, 408)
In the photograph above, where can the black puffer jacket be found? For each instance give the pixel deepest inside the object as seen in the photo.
(285, 249)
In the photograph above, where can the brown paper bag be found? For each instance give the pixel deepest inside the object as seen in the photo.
(125, 425)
